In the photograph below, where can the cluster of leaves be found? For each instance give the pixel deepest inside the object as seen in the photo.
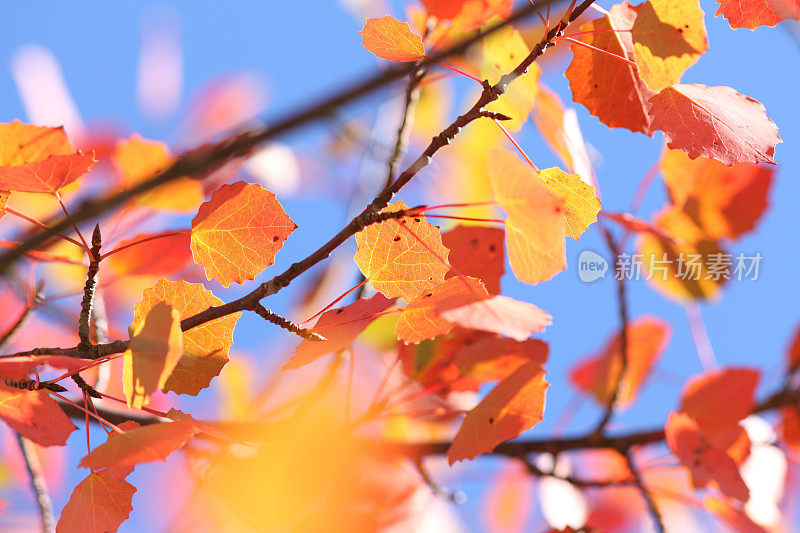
(453, 330)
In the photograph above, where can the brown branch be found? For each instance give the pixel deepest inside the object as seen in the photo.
(286, 324)
(38, 484)
(205, 159)
(581, 483)
(658, 522)
(84, 319)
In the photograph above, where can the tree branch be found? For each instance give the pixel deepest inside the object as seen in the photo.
(38, 484)
(658, 522)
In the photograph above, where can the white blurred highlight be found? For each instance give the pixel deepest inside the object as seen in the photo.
(576, 146)
(159, 82)
(764, 473)
(563, 505)
(276, 167)
(43, 91)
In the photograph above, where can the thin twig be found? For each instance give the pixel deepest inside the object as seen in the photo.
(38, 484)
(655, 514)
(84, 320)
(285, 323)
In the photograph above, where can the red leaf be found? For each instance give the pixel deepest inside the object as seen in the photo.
(35, 415)
(754, 13)
(494, 358)
(714, 122)
(468, 14)
(99, 504)
(19, 367)
(515, 404)
(141, 445)
(476, 252)
(340, 327)
(157, 257)
(388, 38)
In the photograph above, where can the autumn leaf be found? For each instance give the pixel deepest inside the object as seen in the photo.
(714, 122)
(534, 227)
(237, 233)
(21, 366)
(162, 254)
(340, 327)
(402, 257)
(140, 445)
(468, 14)
(477, 252)
(495, 358)
(754, 13)
(579, 200)
(725, 202)
(39, 159)
(503, 51)
(514, 405)
(705, 462)
(388, 38)
(155, 348)
(668, 36)
(205, 347)
(137, 159)
(99, 504)
(647, 338)
(610, 89)
(4, 197)
(499, 314)
(421, 319)
(35, 415)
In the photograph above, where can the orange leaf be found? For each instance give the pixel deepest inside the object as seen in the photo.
(476, 252)
(647, 338)
(140, 445)
(35, 415)
(237, 233)
(340, 327)
(499, 314)
(468, 14)
(154, 351)
(610, 88)
(388, 38)
(157, 257)
(19, 367)
(402, 257)
(534, 228)
(754, 13)
(421, 319)
(718, 400)
(205, 348)
(99, 504)
(579, 200)
(39, 159)
(138, 159)
(515, 404)
(725, 202)
(705, 462)
(714, 122)
(494, 358)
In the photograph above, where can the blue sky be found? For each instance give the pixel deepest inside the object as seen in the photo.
(303, 49)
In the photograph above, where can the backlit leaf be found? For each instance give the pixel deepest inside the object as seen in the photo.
(714, 122)
(99, 504)
(388, 38)
(468, 14)
(477, 252)
(402, 257)
(494, 358)
(205, 348)
(499, 314)
(161, 256)
(237, 233)
(579, 201)
(754, 13)
(35, 415)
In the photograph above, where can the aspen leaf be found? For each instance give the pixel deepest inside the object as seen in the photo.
(431, 362)
(205, 348)
(476, 252)
(725, 202)
(579, 201)
(143, 444)
(35, 415)
(99, 504)
(237, 233)
(549, 117)
(494, 358)
(155, 348)
(499, 314)
(705, 462)
(39, 159)
(138, 159)
(421, 318)
(468, 14)
(20, 367)
(340, 327)
(534, 227)
(163, 255)
(647, 338)
(754, 13)
(388, 38)
(609, 88)
(714, 122)
(402, 257)
(514, 405)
